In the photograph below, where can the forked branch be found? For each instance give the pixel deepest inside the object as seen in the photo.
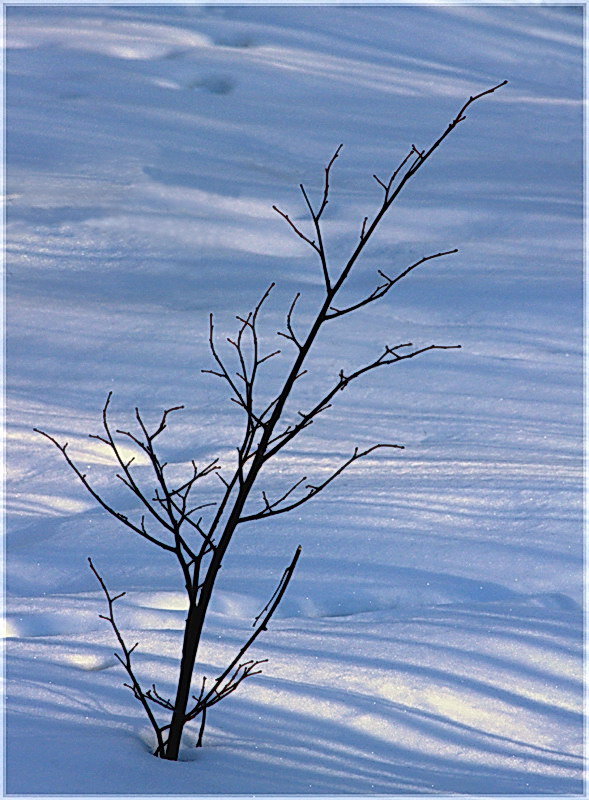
(383, 288)
(271, 509)
(390, 355)
(139, 529)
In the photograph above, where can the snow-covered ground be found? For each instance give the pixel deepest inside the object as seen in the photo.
(431, 639)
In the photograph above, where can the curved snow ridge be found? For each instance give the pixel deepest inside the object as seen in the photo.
(44, 505)
(166, 610)
(89, 661)
(365, 604)
(49, 623)
(131, 41)
(72, 622)
(73, 614)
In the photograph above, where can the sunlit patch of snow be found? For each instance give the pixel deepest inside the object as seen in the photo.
(155, 620)
(10, 628)
(90, 662)
(86, 450)
(165, 601)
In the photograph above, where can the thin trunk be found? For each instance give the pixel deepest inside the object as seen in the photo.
(192, 632)
(197, 613)
(192, 635)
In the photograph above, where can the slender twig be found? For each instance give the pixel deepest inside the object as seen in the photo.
(296, 229)
(291, 334)
(391, 195)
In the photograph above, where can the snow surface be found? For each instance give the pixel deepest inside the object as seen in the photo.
(431, 639)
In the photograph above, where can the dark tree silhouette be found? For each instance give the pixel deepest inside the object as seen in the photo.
(170, 521)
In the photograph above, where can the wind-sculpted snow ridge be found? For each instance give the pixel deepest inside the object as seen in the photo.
(431, 640)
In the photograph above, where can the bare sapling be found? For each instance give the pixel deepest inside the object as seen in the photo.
(197, 535)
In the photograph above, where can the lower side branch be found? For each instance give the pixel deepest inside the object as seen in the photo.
(125, 660)
(238, 671)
